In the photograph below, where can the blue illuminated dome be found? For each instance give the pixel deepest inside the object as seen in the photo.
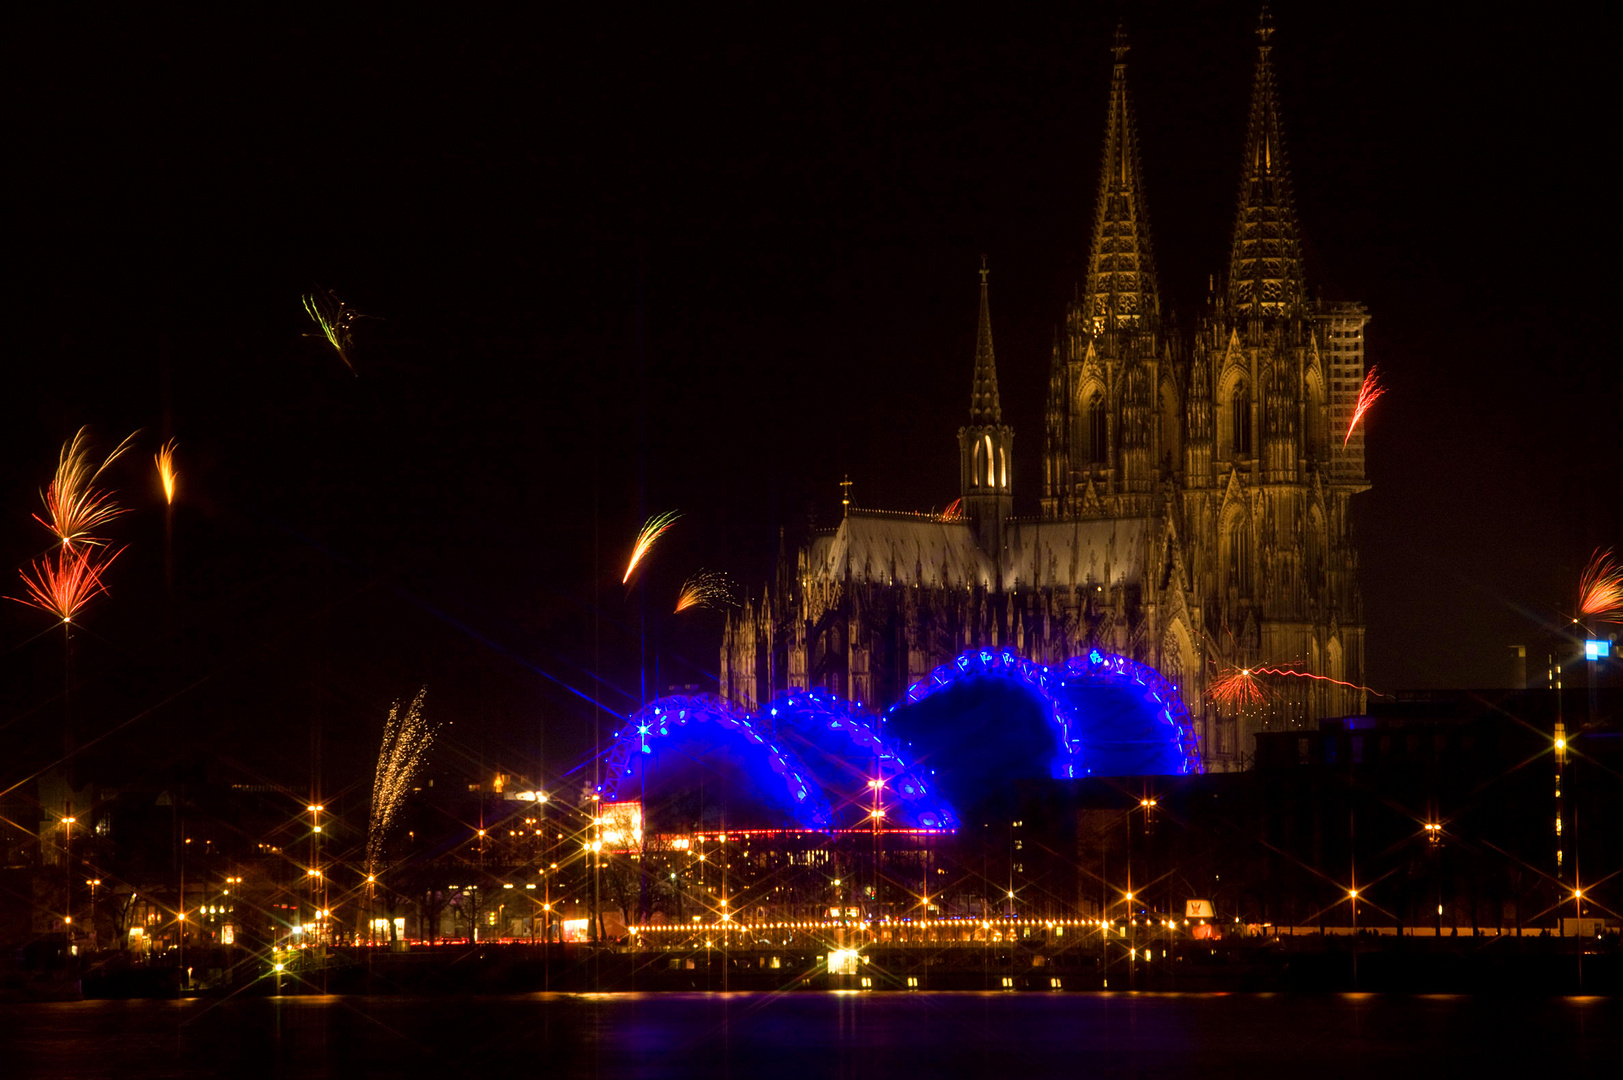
(812, 760)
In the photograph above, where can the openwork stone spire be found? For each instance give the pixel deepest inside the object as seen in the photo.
(1120, 291)
(1265, 268)
(983, 401)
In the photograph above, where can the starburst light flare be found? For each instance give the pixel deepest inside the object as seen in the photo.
(652, 530)
(707, 588)
(67, 579)
(1367, 394)
(74, 506)
(1600, 588)
(406, 739)
(335, 318)
(165, 460)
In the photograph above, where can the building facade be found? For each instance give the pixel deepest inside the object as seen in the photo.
(1195, 492)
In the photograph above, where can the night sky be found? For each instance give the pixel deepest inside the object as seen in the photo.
(681, 261)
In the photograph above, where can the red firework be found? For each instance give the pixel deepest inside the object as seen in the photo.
(954, 511)
(66, 580)
(1238, 688)
(1367, 394)
(1600, 589)
(1294, 674)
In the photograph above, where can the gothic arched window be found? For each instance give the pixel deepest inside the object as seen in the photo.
(1240, 556)
(1098, 431)
(1242, 421)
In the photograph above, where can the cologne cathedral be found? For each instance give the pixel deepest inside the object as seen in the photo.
(1194, 491)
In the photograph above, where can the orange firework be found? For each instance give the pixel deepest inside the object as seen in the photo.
(652, 530)
(705, 589)
(1600, 589)
(1367, 394)
(954, 511)
(66, 580)
(73, 504)
(165, 461)
(1238, 688)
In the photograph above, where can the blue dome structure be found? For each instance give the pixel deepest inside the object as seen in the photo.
(810, 760)
(683, 740)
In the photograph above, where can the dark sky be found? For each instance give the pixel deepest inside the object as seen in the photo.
(711, 263)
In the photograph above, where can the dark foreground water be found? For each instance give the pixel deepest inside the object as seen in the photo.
(779, 1037)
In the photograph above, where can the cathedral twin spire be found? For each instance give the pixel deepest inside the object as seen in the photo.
(1120, 291)
(1265, 265)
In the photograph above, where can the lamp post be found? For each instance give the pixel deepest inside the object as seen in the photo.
(316, 878)
(1352, 898)
(67, 881)
(93, 882)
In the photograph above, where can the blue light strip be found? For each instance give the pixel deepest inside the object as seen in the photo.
(830, 711)
(1095, 664)
(659, 718)
(821, 708)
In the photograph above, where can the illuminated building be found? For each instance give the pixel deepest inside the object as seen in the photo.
(1194, 492)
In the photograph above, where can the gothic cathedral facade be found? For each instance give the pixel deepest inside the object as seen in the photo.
(1195, 494)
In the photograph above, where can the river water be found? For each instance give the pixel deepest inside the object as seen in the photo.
(784, 1036)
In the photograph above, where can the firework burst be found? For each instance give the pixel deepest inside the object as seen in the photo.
(707, 589)
(652, 530)
(406, 739)
(1238, 688)
(67, 579)
(165, 460)
(336, 320)
(954, 511)
(1600, 589)
(1367, 394)
(74, 506)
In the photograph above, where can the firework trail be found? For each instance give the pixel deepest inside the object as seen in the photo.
(1600, 589)
(336, 320)
(708, 589)
(165, 460)
(652, 529)
(406, 739)
(954, 511)
(1367, 394)
(73, 504)
(67, 579)
(1292, 673)
(1238, 688)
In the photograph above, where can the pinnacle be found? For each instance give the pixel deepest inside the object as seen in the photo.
(984, 408)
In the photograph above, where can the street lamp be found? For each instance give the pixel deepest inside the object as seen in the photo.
(67, 865)
(318, 895)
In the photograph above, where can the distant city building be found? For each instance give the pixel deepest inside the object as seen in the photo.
(1195, 492)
